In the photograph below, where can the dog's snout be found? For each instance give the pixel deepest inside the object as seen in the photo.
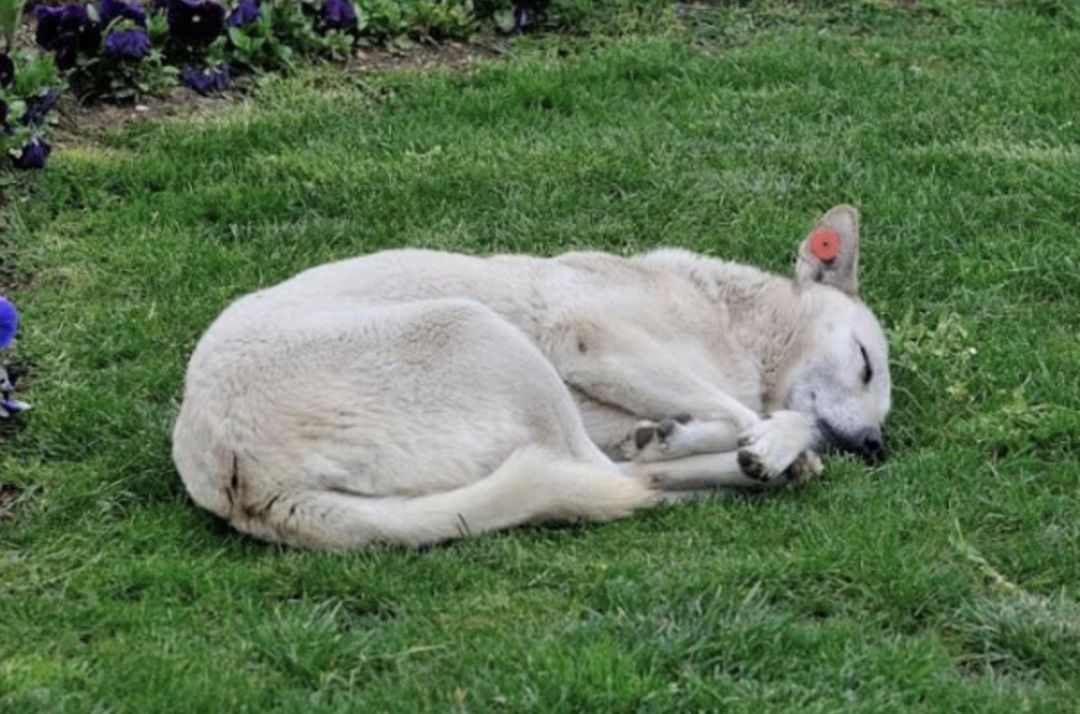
(867, 443)
(872, 445)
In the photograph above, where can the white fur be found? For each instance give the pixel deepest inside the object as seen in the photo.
(415, 396)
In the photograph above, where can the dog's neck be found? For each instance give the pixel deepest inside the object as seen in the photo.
(767, 311)
(767, 318)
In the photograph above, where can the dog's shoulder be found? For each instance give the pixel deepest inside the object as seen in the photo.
(721, 280)
(661, 265)
(594, 261)
(685, 265)
(674, 260)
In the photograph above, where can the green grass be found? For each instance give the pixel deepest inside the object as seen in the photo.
(946, 580)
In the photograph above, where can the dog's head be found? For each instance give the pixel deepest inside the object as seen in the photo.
(840, 374)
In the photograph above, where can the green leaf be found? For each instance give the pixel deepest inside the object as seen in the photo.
(239, 38)
(10, 14)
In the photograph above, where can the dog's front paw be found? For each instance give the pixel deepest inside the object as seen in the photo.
(652, 441)
(770, 447)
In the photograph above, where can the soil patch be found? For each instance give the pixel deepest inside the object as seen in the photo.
(87, 123)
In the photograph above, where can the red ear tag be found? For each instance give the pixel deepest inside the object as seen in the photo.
(825, 244)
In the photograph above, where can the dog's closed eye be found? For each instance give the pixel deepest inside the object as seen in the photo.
(868, 371)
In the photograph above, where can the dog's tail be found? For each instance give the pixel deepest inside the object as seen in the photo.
(531, 486)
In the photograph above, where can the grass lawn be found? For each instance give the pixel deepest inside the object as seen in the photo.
(946, 580)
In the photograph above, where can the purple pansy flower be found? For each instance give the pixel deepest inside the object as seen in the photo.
(9, 322)
(7, 70)
(110, 10)
(37, 112)
(57, 26)
(66, 30)
(47, 33)
(9, 406)
(34, 155)
(195, 23)
(245, 11)
(207, 81)
(131, 44)
(339, 14)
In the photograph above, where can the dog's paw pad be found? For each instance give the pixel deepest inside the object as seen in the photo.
(665, 429)
(751, 466)
(645, 442)
(651, 441)
(644, 434)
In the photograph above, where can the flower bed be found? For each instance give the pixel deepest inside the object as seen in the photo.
(121, 50)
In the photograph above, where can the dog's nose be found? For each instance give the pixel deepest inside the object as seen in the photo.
(872, 445)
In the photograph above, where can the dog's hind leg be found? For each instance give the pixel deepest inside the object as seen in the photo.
(534, 485)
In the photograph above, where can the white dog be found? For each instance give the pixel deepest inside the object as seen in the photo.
(415, 396)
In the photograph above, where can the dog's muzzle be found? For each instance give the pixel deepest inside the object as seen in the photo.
(868, 444)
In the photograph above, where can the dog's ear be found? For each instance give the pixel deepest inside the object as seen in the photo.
(830, 254)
